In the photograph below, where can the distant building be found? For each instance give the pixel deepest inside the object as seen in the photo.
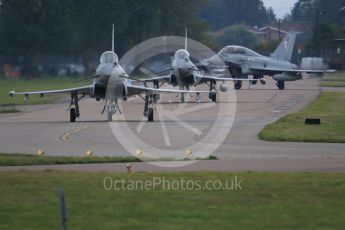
(268, 34)
(258, 33)
(272, 33)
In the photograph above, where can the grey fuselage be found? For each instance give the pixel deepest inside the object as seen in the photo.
(184, 71)
(111, 81)
(242, 61)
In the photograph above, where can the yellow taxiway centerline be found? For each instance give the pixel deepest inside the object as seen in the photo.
(66, 137)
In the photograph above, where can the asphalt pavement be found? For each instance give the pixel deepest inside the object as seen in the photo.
(238, 116)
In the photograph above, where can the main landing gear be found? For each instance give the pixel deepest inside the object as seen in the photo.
(150, 100)
(198, 97)
(156, 97)
(213, 94)
(74, 106)
(72, 114)
(238, 85)
(280, 85)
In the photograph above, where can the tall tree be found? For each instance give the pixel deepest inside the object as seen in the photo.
(324, 20)
(33, 27)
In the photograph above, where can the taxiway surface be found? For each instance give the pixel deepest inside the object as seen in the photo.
(47, 127)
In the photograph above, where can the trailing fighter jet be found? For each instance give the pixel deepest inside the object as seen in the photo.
(242, 62)
(184, 73)
(111, 83)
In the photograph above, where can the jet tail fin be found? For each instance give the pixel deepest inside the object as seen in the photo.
(112, 40)
(285, 48)
(186, 39)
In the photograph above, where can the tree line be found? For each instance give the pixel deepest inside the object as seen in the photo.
(31, 30)
(324, 21)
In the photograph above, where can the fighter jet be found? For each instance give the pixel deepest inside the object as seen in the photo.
(242, 62)
(184, 73)
(111, 83)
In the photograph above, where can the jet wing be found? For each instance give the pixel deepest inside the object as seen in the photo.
(153, 76)
(156, 78)
(139, 89)
(207, 77)
(277, 70)
(79, 90)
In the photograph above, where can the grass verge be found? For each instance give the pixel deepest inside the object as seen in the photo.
(266, 201)
(336, 79)
(27, 159)
(329, 107)
(35, 84)
(8, 109)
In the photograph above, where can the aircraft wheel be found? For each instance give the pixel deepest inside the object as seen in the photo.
(198, 97)
(281, 85)
(150, 114)
(255, 81)
(72, 115)
(214, 98)
(238, 85)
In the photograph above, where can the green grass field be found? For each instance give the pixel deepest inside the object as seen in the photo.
(29, 200)
(336, 79)
(329, 107)
(18, 85)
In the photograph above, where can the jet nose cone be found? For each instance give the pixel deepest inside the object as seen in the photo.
(180, 63)
(105, 69)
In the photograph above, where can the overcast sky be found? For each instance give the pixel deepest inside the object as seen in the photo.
(281, 7)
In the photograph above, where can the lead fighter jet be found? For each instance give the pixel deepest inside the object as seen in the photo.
(111, 83)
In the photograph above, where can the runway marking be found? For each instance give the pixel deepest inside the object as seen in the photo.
(141, 124)
(66, 137)
(180, 110)
(184, 124)
(164, 130)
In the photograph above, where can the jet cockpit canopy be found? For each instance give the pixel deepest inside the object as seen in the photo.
(234, 50)
(182, 54)
(239, 50)
(109, 57)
